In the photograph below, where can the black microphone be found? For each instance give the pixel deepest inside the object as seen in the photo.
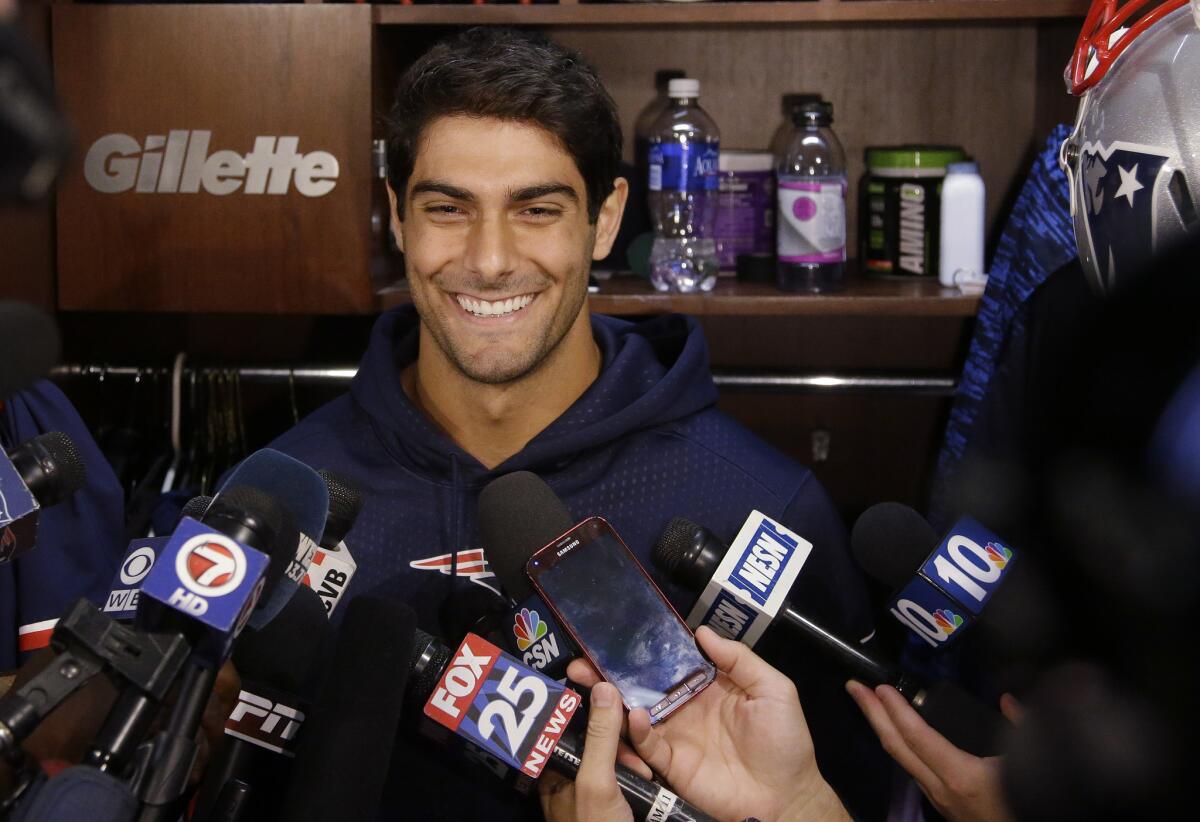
(29, 345)
(429, 660)
(249, 772)
(944, 587)
(122, 601)
(518, 515)
(693, 557)
(219, 585)
(345, 504)
(38, 473)
(332, 567)
(343, 758)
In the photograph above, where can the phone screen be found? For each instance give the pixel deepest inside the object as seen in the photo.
(620, 619)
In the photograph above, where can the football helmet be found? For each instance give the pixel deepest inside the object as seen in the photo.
(1133, 159)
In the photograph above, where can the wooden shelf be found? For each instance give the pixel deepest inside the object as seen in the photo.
(862, 297)
(748, 13)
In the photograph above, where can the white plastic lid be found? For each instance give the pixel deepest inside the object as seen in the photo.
(683, 87)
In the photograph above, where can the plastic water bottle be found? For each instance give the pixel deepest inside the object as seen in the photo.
(683, 183)
(962, 236)
(782, 139)
(811, 222)
(643, 126)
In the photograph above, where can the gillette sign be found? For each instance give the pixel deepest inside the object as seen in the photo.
(180, 163)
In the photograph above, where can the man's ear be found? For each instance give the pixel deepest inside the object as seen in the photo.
(397, 223)
(609, 219)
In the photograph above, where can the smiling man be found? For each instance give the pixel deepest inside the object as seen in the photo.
(503, 157)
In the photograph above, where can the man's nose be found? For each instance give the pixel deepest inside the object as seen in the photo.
(491, 248)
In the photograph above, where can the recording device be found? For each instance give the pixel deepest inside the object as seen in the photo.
(249, 772)
(304, 498)
(122, 601)
(518, 514)
(643, 647)
(518, 716)
(744, 593)
(332, 567)
(969, 577)
(342, 758)
(30, 345)
(38, 473)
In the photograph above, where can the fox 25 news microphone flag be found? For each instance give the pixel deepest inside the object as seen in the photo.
(513, 712)
(953, 584)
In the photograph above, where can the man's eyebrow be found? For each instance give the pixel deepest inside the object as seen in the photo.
(435, 187)
(536, 192)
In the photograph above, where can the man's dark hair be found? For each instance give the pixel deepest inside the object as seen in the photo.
(509, 75)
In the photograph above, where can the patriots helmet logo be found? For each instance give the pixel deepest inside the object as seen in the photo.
(1118, 198)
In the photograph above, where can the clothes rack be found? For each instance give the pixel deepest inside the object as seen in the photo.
(730, 380)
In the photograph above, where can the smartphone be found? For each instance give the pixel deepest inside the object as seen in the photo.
(619, 619)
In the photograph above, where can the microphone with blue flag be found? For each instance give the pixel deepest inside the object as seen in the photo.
(38, 473)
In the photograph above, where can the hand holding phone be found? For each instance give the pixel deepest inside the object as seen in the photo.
(741, 748)
(619, 619)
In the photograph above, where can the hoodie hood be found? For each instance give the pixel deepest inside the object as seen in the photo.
(653, 372)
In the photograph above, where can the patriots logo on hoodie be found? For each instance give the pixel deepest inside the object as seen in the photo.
(470, 564)
(1118, 200)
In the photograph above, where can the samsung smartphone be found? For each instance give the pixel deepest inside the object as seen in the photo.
(619, 619)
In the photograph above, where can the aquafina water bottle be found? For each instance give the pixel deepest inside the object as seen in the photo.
(684, 150)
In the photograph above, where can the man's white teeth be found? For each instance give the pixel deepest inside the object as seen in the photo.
(483, 308)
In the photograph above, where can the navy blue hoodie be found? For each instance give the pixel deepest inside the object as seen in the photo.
(643, 444)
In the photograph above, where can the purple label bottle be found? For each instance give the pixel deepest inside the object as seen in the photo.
(811, 221)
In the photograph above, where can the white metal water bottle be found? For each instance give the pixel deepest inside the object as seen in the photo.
(962, 234)
(684, 150)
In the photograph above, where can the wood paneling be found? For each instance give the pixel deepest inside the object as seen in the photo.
(240, 72)
(27, 254)
(968, 84)
(795, 11)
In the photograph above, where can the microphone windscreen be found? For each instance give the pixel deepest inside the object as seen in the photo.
(29, 346)
(890, 541)
(345, 503)
(54, 469)
(265, 526)
(293, 484)
(428, 659)
(518, 514)
(673, 542)
(283, 652)
(343, 758)
(196, 506)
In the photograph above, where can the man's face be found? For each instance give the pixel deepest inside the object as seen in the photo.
(497, 243)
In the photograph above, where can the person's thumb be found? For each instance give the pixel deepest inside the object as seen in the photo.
(596, 793)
